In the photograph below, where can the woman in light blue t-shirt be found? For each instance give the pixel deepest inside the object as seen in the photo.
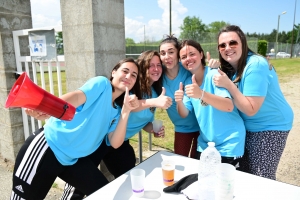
(254, 86)
(71, 149)
(217, 117)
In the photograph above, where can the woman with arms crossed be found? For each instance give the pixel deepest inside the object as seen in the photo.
(254, 87)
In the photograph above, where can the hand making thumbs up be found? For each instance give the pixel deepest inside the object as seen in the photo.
(131, 102)
(222, 80)
(163, 101)
(179, 93)
(212, 63)
(193, 90)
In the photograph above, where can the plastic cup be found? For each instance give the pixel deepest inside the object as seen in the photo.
(168, 170)
(157, 124)
(137, 182)
(225, 182)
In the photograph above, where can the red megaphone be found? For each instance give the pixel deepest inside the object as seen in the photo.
(27, 94)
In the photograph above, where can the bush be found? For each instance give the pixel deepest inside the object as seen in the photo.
(262, 47)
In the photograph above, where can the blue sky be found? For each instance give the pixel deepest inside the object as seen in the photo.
(260, 16)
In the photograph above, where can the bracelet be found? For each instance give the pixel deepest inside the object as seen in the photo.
(202, 95)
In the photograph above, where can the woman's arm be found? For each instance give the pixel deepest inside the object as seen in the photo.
(162, 101)
(220, 103)
(116, 138)
(181, 109)
(246, 104)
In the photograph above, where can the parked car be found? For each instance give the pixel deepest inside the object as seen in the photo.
(283, 55)
(271, 55)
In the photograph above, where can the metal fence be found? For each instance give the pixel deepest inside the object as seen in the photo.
(284, 47)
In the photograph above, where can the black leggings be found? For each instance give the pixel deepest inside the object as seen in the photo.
(118, 161)
(236, 162)
(36, 169)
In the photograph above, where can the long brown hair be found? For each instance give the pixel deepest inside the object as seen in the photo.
(144, 63)
(136, 87)
(226, 66)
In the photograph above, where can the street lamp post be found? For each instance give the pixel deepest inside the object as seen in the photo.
(293, 29)
(277, 32)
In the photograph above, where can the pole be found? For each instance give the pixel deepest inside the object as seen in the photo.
(293, 29)
(276, 49)
(170, 17)
(144, 38)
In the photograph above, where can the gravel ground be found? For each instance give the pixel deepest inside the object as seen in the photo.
(288, 169)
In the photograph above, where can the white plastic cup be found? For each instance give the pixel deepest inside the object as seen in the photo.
(137, 182)
(157, 124)
(225, 182)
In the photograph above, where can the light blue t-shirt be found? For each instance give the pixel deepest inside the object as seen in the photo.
(258, 80)
(138, 120)
(226, 129)
(70, 140)
(183, 125)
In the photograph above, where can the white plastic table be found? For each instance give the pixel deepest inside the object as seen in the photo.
(247, 186)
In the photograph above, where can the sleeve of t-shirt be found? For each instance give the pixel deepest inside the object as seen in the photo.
(92, 89)
(255, 79)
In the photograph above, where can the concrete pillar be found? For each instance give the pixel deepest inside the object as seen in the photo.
(14, 15)
(94, 38)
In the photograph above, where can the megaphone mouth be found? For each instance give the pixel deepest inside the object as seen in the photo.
(27, 94)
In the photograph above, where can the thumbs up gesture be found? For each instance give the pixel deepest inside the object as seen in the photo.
(130, 101)
(222, 80)
(212, 63)
(179, 93)
(163, 101)
(193, 90)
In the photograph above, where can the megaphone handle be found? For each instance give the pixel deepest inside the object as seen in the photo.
(65, 109)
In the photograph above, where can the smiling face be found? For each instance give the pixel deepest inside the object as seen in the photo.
(125, 76)
(155, 69)
(168, 55)
(232, 51)
(190, 58)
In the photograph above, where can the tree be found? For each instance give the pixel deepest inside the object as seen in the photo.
(193, 28)
(129, 41)
(216, 26)
(59, 43)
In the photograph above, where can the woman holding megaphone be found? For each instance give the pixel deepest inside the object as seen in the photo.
(69, 149)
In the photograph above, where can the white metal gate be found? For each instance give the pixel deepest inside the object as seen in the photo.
(37, 70)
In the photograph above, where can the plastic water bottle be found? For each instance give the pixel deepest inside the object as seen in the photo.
(209, 160)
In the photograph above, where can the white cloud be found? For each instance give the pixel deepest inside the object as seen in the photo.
(155, 29)
(45, 13)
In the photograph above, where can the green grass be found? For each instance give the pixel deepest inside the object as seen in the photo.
(286, 69)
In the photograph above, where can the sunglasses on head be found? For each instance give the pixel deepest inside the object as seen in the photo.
(232, 44)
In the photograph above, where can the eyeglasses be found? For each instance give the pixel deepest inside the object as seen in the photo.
(232, 44)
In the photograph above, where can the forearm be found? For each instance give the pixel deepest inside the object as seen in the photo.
(117, 137)
(182, 110)
(148, 128)
(243, 103)
(220, 103)
(75, 98)
(144, 104)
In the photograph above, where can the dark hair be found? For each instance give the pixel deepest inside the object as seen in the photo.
(196, 45)
(144, 63)
(226, 66)
(136, 87)
(170, 39)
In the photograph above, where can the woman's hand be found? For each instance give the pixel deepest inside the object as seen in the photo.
(179, 93)
(37, 114)
(161, 133)
(212, 63)
(131, 102)
(193, 90)
(163, 101)
(222, 80)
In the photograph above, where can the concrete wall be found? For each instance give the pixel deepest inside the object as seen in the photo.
(14, 15)
(94, 38)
